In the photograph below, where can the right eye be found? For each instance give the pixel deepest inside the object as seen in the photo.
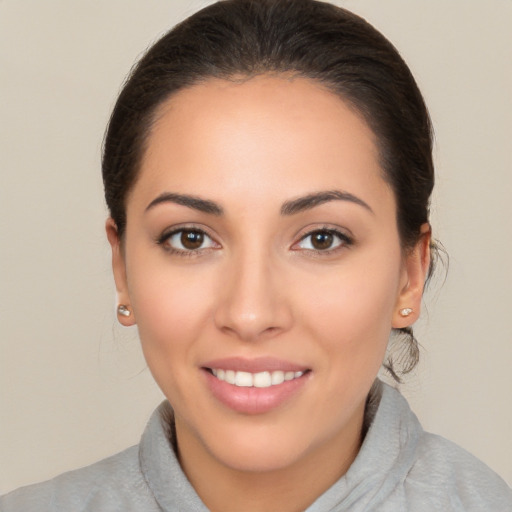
(324, 241)
(187, 241)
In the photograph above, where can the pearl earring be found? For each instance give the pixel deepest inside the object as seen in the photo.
(123, 310)
(405, 311)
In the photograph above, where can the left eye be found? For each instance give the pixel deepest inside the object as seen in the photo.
(189, 240)
(323, 240)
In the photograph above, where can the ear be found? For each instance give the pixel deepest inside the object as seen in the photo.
(416, 265)
(119, 269)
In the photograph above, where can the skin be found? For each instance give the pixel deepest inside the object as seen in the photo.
(258, 287)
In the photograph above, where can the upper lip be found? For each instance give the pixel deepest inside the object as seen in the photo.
(255, 365)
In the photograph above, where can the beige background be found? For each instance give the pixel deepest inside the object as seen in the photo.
(73, 385)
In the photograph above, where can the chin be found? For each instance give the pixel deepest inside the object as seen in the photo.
(264, 444)
(260, 457)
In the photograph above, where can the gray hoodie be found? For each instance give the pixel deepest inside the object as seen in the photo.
(399, 468)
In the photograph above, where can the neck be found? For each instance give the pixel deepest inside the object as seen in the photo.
(224, 489)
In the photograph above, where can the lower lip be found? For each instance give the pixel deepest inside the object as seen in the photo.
(252, 400)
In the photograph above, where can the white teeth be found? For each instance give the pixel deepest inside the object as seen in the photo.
(230, 376)
(262, 380)
(277, 377)
(257, 380)
(243, 379)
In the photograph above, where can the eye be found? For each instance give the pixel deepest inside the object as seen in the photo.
(323, 240)
(187, 241)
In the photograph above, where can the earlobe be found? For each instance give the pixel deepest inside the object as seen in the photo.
(416, 266)
(124, 311)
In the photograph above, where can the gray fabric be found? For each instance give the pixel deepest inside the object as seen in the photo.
(399, 468)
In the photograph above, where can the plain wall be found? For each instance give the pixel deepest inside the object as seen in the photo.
(73, 385)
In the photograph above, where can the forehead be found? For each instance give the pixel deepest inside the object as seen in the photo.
(269, 136)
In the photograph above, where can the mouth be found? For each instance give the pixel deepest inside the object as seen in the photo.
(255, 386)
(264, 379)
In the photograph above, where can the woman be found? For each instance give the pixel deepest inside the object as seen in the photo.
(268, 173)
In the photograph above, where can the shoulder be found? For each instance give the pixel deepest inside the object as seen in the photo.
(442, 468)
(112, 484)
(430, 472)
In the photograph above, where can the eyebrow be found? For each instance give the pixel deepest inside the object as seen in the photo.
(289, 207)
(311, 200)
(194, 202)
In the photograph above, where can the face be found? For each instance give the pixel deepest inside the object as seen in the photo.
(263, 268)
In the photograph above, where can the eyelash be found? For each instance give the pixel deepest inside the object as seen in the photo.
(343, 239)
(164, 238)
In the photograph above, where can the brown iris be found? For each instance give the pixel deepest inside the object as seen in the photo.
(192, 239)
(322, 240)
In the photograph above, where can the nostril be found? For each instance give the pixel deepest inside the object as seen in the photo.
(251, 309)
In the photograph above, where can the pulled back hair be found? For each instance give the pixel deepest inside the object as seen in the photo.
(239, 39)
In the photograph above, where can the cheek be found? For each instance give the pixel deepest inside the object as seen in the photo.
(353, 310)
(172, 310)
(171, 307)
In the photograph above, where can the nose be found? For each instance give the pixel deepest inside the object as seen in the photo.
(253, 303)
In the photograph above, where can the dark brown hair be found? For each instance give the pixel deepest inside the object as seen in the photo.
(243, 38)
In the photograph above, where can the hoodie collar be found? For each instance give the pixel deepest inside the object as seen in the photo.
(383, 462)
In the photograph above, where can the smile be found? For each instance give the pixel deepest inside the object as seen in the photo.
(263, 379)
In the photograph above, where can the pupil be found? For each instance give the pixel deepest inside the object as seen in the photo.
(322, 240)
(192, 239)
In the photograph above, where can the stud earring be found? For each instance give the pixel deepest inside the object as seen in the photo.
(405, 311)
(123, 310)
